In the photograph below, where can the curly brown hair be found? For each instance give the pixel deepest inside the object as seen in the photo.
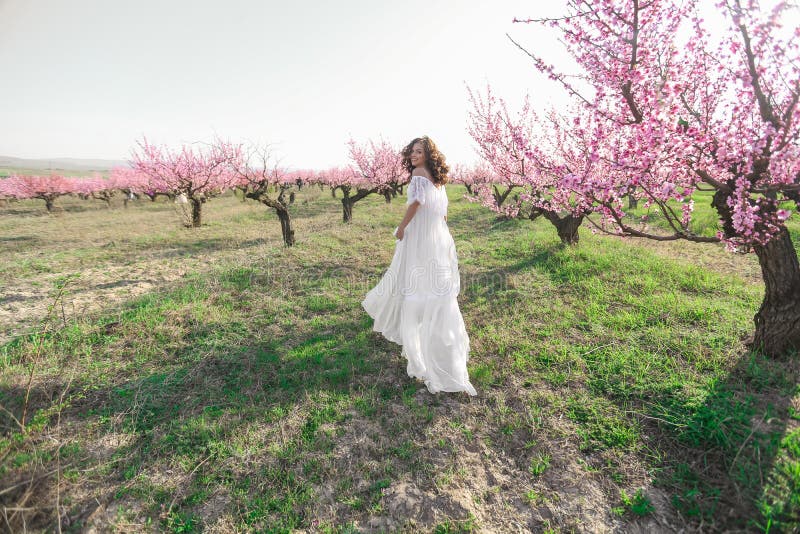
(434, 160)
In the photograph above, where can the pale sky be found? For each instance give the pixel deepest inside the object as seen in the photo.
(86, 78)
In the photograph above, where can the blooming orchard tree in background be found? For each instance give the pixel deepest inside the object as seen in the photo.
(6, 189)
(99, 188)
(84, 187)
(376, 168)
(381, 164)
(396, 175)
(196, 173)
(521, 157)
(255, 174)
(130, 182)
(303, 177)
(5, 196)
(560, 154)
(346, 179)
(668, 116)
(471, 178)
(492, 129)
(47, 188)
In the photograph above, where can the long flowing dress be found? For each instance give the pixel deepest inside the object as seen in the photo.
(414, 304)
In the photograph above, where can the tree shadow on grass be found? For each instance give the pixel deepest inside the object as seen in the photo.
(723, 444)
(41, 211)
(721, 435)
(494, 282)
(721, 429)
(202, 407)
(197, 247)
(9, 240)
(473, 220)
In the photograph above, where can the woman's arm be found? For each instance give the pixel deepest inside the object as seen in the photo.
(410, 212)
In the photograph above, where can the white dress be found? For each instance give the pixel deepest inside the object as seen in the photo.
(414, 304)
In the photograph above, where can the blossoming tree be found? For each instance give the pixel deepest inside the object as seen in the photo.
(130, 182)
(256, 175)
(471, 177)
(490, 126)
(376, 168)
(347, 179)
(521, 158)
(196, 173)
(669, 116)
(47, 188)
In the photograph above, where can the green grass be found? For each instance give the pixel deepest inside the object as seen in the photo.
(250, 393)
(637, 504)
(539, 464)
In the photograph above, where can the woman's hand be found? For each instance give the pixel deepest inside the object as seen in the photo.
(399, 233)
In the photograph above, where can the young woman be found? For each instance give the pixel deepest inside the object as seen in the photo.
(414, 304)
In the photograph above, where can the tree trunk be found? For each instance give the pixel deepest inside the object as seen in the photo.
(286, 227)
(48, 203)
(347, 210)
(348, 201)
(469, 188)
(333, 192)
(197, 206)
(388, 197)
(778, 320)
(633, 202)
(566, 227)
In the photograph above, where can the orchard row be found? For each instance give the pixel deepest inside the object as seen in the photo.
(195, 175)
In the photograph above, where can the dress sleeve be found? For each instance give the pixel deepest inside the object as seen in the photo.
(416, 190)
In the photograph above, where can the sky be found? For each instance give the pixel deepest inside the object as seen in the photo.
(87, 78)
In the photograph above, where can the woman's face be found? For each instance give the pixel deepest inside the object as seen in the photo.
(417, 155)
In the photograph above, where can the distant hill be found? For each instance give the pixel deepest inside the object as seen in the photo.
(61, 164)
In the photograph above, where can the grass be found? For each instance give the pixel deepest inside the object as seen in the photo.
(638, 504)
(237, 385)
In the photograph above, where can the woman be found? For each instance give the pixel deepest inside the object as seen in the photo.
(414, 304)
